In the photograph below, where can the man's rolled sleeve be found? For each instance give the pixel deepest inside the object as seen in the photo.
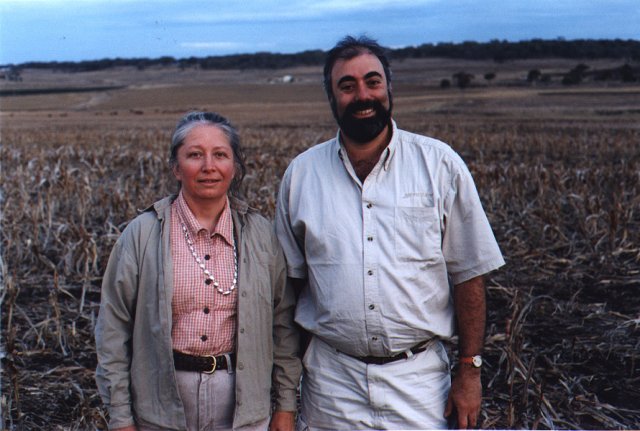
(293, 251)
(469, 245)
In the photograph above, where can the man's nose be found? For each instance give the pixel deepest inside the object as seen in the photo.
(362, 92)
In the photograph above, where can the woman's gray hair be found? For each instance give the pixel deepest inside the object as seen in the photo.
(197, 118)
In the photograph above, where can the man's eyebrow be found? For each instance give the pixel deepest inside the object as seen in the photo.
(349, 78)
(345, 79)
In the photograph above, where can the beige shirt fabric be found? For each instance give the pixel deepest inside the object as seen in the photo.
(380, 255)
(135, 375)
(204, 320)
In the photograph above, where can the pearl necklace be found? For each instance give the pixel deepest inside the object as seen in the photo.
(207, 273)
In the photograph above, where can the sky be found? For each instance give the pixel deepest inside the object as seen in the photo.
(76, 30)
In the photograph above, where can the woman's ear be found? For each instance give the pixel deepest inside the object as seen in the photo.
(176, 171)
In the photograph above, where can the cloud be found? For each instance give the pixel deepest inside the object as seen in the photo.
(254, 11)
(212, 45)
(225, 46)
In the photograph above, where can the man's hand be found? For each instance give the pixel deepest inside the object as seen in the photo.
(282, 421)
(465, 397)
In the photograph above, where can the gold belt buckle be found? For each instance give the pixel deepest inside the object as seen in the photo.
(213, 367)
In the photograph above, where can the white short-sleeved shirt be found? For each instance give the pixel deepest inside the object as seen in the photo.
(379, 255)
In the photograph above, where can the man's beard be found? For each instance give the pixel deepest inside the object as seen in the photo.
(363, 130)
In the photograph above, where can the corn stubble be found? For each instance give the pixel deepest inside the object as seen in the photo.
(562, 196)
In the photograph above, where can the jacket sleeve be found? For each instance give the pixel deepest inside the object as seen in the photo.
(286, 363)
(113, 332)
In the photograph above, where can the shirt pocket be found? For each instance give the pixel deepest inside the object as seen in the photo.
(417, 234)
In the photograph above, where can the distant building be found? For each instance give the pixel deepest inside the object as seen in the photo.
(10, 74)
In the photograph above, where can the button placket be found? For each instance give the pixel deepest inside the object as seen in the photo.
(371, 278)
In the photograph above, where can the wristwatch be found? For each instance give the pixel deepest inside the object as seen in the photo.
(475, 361)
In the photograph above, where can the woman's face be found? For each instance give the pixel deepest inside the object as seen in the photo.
(205, 165)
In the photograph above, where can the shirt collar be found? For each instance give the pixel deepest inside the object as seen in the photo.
(224, 226)
(386, 155)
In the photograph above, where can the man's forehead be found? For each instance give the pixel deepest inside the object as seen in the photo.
(361, 66)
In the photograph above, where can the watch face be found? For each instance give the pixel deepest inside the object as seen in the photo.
(477, 361)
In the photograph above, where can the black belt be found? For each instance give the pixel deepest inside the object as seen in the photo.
(202, 364)
(381, 360)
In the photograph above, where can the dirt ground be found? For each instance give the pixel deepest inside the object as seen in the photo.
(557, 167)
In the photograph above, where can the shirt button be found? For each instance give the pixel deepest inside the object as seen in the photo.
(369, 238)
(204, 338)
(371, 306)
(370, 272)
(207, 257)
(206, 310)
(369, 205)
(374, 338)
(207, 281)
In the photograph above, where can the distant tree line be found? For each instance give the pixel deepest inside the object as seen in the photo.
(497, 50)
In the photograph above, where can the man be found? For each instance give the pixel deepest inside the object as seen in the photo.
(387, 241)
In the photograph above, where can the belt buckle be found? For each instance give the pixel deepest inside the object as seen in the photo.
(213, 367)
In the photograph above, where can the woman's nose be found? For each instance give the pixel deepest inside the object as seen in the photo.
(208, 163)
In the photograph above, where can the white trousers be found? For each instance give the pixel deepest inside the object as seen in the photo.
(209, 402)
(342, 393)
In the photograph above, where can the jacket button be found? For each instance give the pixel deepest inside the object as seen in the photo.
(240, 366)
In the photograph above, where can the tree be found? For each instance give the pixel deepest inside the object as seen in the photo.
(626, 73)
(489, 76)
(462, 79)
(534, 75)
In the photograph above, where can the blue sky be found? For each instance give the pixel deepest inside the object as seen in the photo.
(56, 30)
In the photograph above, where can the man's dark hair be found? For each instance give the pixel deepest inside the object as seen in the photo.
(348, 48)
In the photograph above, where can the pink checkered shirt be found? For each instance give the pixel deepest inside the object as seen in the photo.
(204, 320)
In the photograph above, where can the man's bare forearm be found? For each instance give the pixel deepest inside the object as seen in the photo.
(471, 315)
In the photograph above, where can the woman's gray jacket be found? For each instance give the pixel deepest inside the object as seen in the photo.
(135, 373)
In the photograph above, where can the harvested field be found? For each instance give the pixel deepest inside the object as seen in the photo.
(558, 172)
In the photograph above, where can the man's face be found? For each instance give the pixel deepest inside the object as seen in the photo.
(361, 100)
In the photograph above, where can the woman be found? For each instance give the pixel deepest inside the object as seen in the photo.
(196, 319)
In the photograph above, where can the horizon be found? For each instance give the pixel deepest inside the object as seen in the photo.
(300, 52)
(91, 30)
